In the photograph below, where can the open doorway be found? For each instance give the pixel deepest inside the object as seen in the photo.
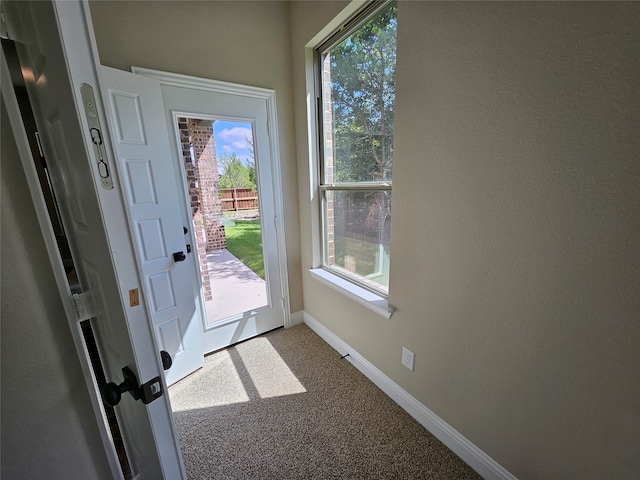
(166, 190)
(172, 209)
(222, 188)
(233, 132)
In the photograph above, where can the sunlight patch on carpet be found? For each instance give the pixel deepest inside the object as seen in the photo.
(223, 386)
(269, 373)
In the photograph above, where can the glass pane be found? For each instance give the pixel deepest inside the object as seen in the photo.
(221, 174)
(357, 235)
(358, 83)
(237, 272)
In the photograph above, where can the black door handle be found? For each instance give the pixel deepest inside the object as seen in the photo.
(112, 393)
(179, 256)
(167, 361)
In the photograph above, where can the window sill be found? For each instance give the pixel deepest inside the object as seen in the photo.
(370, 300)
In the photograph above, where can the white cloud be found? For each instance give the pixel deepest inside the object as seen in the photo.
(232, 138)
(235, 135)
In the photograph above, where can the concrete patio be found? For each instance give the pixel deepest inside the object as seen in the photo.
(235, 287)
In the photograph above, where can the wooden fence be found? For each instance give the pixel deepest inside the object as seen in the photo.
(236, 199)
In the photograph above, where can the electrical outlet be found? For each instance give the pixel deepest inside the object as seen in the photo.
(407, 358)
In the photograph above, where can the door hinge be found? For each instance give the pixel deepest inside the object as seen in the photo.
(83, 305)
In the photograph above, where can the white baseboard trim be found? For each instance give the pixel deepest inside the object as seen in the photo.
(461, 446)
(296, 318)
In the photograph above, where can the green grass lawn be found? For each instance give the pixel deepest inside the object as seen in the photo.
(244, 240)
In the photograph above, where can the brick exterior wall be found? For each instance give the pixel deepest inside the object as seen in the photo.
(328, 158)
(204, 152)
(203, 187)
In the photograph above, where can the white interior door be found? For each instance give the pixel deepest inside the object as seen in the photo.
(57, 56)
(144, 160)
(185, 96)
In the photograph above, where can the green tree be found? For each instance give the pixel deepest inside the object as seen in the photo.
(362, 92)
(363, 99)
(235, 173)
(251, 163)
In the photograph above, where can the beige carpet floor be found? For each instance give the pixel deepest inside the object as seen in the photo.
(285, 406)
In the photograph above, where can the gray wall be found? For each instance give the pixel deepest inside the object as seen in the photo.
(516, 198)
(239, 42)
(48, 426)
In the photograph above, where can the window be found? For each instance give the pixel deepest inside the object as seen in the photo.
(357, 95)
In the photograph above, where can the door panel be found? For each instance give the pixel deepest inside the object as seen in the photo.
(199, 103)
(144, 156)
(93, 219)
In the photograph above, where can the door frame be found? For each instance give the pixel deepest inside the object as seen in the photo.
(269, 97)
(62, 284)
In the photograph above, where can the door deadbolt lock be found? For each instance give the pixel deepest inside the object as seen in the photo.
(179, 256)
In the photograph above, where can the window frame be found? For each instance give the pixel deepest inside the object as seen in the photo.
(359, 282)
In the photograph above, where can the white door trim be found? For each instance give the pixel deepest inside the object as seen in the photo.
(269, 96)
(42, 214)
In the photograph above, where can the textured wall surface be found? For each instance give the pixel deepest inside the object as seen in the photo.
(516, 198)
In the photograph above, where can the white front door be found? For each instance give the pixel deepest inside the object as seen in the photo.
(144, 160)
(191, 97)
(55, 47)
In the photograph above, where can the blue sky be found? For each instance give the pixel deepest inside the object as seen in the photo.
(230, 138)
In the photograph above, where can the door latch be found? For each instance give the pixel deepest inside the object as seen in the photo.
(151, 390)
(95, 130)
